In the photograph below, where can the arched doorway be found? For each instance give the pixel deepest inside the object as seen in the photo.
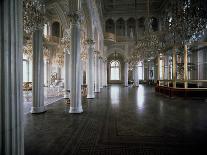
(114, 70)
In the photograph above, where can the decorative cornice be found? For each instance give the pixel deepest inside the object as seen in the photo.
(75, 18)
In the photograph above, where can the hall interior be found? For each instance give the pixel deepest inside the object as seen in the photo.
(103, 77)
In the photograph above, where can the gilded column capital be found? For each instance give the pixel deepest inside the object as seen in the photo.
(75, 18)
(90, 41)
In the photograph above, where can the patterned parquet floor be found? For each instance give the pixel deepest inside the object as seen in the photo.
(120, 121)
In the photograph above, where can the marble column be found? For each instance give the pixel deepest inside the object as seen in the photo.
(174, 74)
(105, 73)
(67, 70)
(58, 68)
(38, 73)
(81, 71)
(90, 70)
(75, 62)
(101, 71)
(45, 72)
(146, 71)
(185, 66)
(126, 67)
(136, 77)
(97, 77)
(11, 102)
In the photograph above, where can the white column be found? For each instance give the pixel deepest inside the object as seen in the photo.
(185, 66)
(45, 72)
(66, 78)
(136, 77)
(126, 67)
(38, 73)
(97, 66)
(75, 62)
(81, 71)
(105, 73)
(90, 71)
(58, 68)
(101, 72)
(11, 107)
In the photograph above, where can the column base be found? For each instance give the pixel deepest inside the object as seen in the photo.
(37, 110)
(90, 96)
(76, 110)
(97, 91)
(126, 85)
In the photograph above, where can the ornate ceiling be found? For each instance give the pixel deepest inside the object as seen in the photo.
(131, 7)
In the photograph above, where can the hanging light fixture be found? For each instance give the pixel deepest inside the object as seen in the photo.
(34, 15)
(147, 45)
(187, 21)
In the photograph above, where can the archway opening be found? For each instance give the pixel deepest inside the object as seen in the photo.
(115, 70)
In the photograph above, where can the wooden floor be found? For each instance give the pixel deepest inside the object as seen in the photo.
(120, 121)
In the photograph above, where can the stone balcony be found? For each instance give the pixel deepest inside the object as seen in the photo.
(111, 37)
(52, 40)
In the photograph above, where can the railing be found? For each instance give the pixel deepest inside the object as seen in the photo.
(192, 84)
(108, 36)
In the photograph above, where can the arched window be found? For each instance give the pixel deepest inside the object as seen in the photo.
(115, 70)
(56, 29)
(141, 71)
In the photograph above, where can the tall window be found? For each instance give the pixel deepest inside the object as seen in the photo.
(140, 71)
(115, 70)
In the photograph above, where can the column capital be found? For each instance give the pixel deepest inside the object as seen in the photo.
(105, 59)
(100, 57)
(75, 18)
(89, 41)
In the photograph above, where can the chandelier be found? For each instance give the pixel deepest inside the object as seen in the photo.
(148, 44)
(187, 21)
(33, 18)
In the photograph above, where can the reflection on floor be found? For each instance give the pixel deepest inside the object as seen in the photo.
(51, 95)
(120, 121)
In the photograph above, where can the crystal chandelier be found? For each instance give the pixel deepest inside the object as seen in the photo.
(148, 44)
(187, 20)
(33, 18)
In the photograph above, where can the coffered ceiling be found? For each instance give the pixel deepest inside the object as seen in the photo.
(131, 7)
